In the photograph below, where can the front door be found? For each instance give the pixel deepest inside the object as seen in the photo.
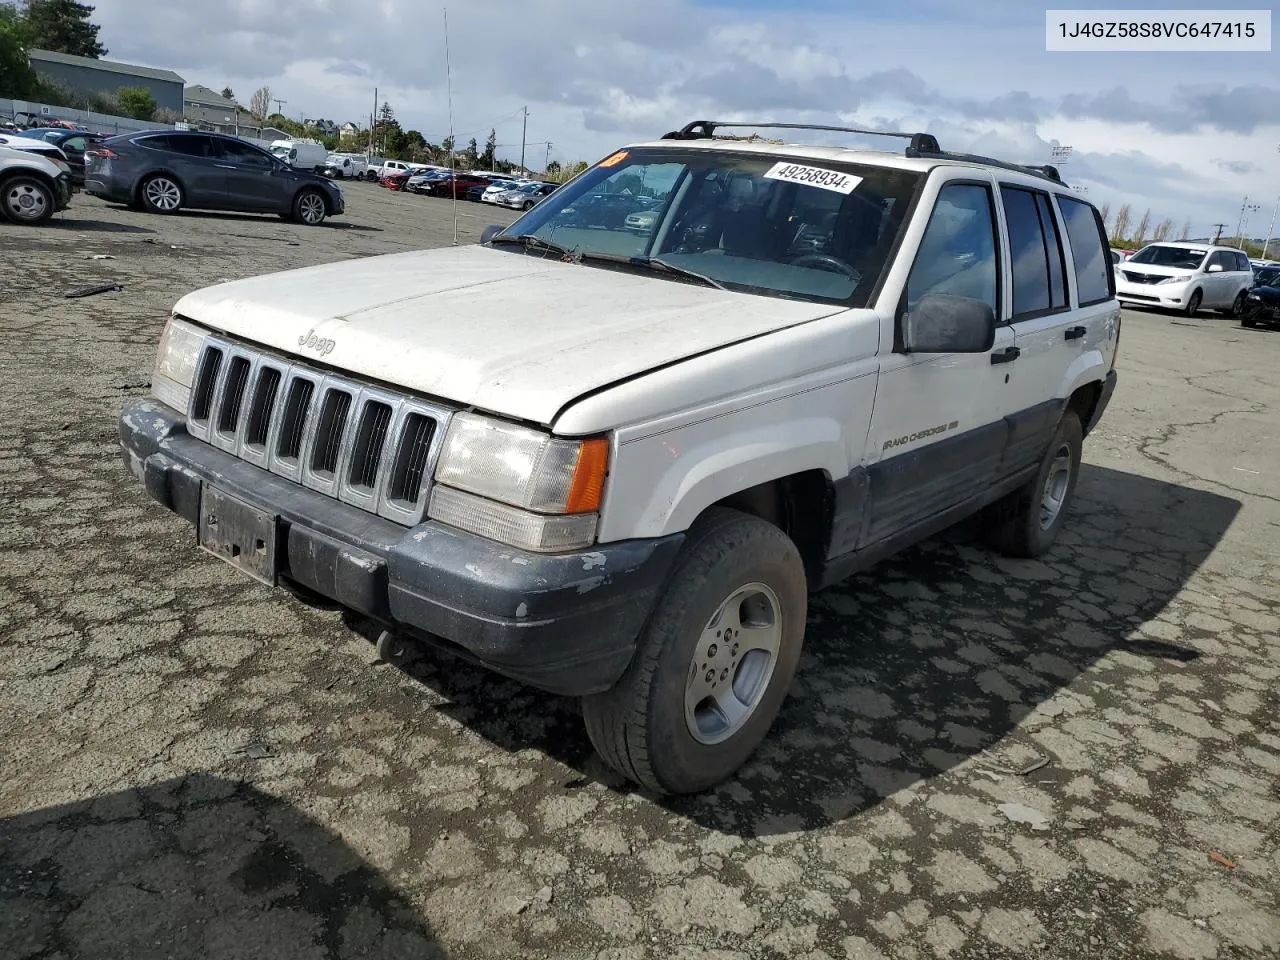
(196, 162)
(251, 176)
(937, 430)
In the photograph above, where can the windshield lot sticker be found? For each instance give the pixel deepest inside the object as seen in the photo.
(614, 160)
(814, 177)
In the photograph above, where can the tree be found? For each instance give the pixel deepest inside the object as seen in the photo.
(471, 154)
(1163, 229)
(136, 102)
(228, 93)
(1144, 224)
(490, 150)
(1186, 230)
(446, 147)
(17, 79)
(260, 102)
(553, 168)
(1105, 213)
(1121, 227)
(63, 26)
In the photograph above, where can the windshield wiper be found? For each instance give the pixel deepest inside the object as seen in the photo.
(532, 241)
(653, 263)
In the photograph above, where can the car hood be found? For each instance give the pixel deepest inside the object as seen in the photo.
(513, 334)
(1154, 269)
(1267, 293)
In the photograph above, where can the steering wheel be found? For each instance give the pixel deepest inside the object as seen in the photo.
(826, 260)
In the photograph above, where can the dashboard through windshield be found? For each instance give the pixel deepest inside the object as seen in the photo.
(788, 227)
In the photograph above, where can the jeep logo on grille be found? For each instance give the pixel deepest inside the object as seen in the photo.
(318, 344)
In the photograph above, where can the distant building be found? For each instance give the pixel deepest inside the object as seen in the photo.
(200, 96)
(107, 77)
(204, 109)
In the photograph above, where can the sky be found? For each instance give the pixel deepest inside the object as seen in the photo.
(1187, 135)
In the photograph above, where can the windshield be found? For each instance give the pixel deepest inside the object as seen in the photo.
(280, 151)
(1185, 258)
(1268, 277)
(801, 229)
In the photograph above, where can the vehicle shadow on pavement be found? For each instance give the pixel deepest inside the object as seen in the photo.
(195, 867)
(928, 660)
(97, 226)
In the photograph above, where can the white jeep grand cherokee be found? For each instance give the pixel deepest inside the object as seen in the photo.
(613, 462)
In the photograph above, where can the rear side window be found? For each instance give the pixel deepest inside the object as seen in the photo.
(192, 144)
(1242, 263)
(1036, 251)
(1094, 279)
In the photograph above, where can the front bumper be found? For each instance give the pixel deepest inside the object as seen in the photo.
(566, 623)
(1153, 294)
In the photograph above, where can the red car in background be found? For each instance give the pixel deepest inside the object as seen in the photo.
(455, 184)
(395, 180)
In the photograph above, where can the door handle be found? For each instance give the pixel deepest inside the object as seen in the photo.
(1007, 355)
(225, 166)
(1075, 333)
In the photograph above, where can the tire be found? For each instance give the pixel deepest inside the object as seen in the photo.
(1238, 305)
(527, 205)
(1026, 522)
(1248, 322)
(1193, 303)
(161, 194)
(309, 208)
(645, 726)
(26, 200)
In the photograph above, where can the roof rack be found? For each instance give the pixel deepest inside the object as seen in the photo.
(922, 145)
(1045, 170)
(705, 129)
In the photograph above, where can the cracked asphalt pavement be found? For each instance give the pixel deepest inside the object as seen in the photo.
(1071, 757)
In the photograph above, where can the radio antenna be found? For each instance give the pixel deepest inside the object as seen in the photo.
(453, 173)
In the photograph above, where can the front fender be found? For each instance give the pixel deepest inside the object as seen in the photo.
(1089, 367)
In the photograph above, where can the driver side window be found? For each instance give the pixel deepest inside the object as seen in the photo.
(957, 256)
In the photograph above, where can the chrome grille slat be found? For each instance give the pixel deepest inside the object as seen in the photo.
(268, 396)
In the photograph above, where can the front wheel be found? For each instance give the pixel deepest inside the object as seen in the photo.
(714, 663)
(26, 200)
(1193, 304)
(1026, 522)
(1238, 305)
(309, 208)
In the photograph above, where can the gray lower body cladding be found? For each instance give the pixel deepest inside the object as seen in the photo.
(565, 623)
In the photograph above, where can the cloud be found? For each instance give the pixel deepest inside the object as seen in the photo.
(594, 75)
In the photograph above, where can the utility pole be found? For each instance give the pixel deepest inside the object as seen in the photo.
(1218, 227)
(1245, 209)
(1271, 229)
(373, 118)
(280, 103)
(547, 162)
(524, 128)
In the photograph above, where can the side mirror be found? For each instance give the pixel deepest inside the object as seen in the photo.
(491, 231)
(1214, 268)
(945, 324)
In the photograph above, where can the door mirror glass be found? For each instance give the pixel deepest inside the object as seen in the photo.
(942, 323)
(1215, 268)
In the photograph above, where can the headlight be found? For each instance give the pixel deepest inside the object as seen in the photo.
(519, 486)
(1254, 296)
(176, 358)
(1182, 279)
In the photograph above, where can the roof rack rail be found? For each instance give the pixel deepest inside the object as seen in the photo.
(1045, 170)
(920, 143)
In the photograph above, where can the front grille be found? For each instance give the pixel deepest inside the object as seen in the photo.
(1141, 296)
(365, 445)
(1141, 277)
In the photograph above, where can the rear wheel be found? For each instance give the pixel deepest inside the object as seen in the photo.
(161, 194)
(714, 663)
(26, 200)
(1193, 304)
(309, 208)
(1237, 305)
(1026, 522)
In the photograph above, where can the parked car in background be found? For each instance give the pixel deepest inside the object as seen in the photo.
(1119, 256)
(495, 187)
(373, 168)
(1186, 277)
(32, 187)
(421, 182)
(1262, 305)
(164, 172)
(341, 166)
(72, 143)
(394, 179)
(389, 167)
(455, 184)
(301, 154)
(526, 196)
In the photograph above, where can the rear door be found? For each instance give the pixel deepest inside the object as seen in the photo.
(253, 180)
(195, 161)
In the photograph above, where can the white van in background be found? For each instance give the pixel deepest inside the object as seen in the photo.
(303, 154)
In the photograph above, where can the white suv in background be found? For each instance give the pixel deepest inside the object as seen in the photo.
(1187, 277)
(612, 463)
